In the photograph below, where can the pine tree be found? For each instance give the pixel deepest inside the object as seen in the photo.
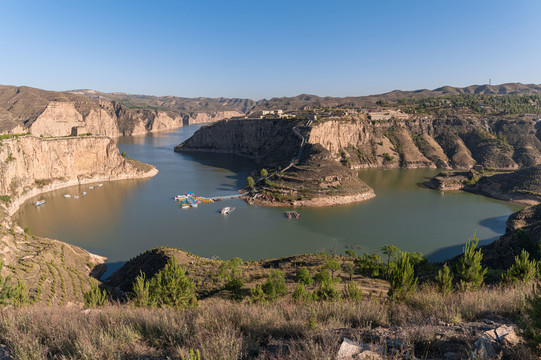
(402, 278)
(469, 270)
(444, 280)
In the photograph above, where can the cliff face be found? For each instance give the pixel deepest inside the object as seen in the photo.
(50, 113)
(431, 142)
(268, 142)
(30, 165)
(310, 176)
(523, 232)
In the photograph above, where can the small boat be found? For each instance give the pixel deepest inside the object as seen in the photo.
(76, 196)
(185, 205)
(84, 192)
(227, 210)
(100, 185)
(293, 215)
(40, 202)
(67, 196)
(91, 187)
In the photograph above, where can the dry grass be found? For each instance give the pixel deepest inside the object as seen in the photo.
(223, 329)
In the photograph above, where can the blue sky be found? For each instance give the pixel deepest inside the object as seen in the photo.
(263, 49)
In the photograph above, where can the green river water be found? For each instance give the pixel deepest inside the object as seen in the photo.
(124, 218)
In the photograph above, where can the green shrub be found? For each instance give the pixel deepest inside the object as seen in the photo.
(326, 291)
(353, 292)
(322, 276)
(523, 269)
(169, 287)
(333, 265)
(12, 294)
(303, 277)
(391, 251)
(275, 285)
(256, 294)
(229, 269)
(532, 320)
(351, 253)
(193, 355)
(369, 264)
(402, 278)
(444, 280)
(469, 269)
(349, 269)
(5, 198)
(141, 291)
(301, 293)
(250, 182)
(95, 297)
(235, 286)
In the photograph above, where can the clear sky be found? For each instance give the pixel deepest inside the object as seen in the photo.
(263, 49)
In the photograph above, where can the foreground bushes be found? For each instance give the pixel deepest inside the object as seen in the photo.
(169, 287)
(224, 329)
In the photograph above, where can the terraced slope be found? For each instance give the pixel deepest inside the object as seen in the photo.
(53, 272)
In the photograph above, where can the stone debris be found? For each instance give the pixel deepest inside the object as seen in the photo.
(352, 350)
(5, 354)
(348, 350)
(490, 344)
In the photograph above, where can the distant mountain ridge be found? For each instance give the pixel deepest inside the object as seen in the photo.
(56, 113)
(303, 100)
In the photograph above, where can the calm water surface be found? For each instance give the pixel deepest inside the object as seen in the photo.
(122, 219)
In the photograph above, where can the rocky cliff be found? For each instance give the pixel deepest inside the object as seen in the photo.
(310, 176)
(523, 232)
(443, 142)
(30, 165)
(50, 113)
(270, 142)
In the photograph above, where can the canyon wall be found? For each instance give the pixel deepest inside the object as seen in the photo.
(113, 119)
(431, 142)
(359, 143)
(53, 113)
(267, 141)
(31, 165)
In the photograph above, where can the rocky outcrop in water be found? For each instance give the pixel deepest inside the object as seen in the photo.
(310, 177)
(31, 165)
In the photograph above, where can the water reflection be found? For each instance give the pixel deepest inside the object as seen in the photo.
(101, 206)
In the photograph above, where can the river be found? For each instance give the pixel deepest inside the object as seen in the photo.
(124, 218)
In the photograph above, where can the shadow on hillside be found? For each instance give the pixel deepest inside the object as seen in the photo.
(449, 252)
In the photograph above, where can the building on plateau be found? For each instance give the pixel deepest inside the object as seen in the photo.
(387, 115)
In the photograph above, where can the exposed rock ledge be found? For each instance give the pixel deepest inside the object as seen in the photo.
(318, 201)
(30, 165)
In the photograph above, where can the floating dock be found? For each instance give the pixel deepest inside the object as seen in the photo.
(191, 200)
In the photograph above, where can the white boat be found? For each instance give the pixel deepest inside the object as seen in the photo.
(91, 187)
(227, 210)
(185, 206)
(67, 196)
(76, 196)
(100, 185)
(40, 202)
(84, 192)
